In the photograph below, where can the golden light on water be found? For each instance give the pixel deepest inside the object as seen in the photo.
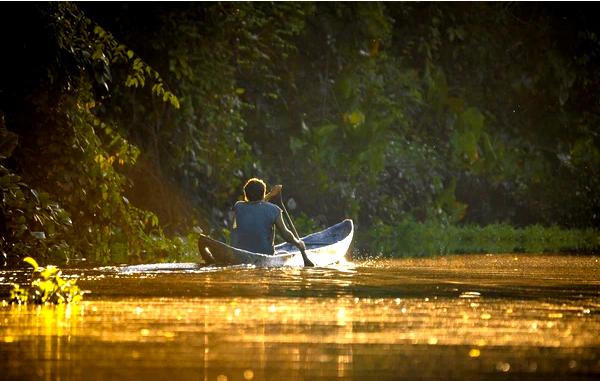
(248, 374)
(485, 316)
(292, 331)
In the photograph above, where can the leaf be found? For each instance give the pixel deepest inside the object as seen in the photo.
(325, 131)
(50, 271)
(35, 194)
(473, 120)
(39, 235)
(31, 262)
(174, 101)
(355, 118)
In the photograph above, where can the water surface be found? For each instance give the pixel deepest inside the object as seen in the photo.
(477, 317)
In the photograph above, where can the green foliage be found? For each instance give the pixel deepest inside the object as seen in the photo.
(410, 238)
(47, 286)
(371, 111)
(467, 135)
(76, 206)
(94, 48)
(416, 116)
(306, 225)
(446, 205)
(31, 221)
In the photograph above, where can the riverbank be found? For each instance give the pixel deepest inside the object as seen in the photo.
(414, 239)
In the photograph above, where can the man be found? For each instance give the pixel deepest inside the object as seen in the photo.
(255, 220)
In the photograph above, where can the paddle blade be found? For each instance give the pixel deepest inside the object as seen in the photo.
(307, 262)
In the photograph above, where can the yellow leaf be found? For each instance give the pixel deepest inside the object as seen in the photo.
(374, 50)
(174, 101)
(32, 262)
(355, 118)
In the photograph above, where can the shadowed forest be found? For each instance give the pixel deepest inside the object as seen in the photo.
(437, 127)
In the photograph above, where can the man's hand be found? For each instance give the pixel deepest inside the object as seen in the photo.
(274, 192)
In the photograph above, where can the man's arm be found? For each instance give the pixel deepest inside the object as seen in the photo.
(287, 234)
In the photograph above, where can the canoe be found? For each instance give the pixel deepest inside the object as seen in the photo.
(323, 248)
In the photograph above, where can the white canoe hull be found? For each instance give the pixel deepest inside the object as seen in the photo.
(323, 248)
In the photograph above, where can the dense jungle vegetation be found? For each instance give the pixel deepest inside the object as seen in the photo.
(437, 127)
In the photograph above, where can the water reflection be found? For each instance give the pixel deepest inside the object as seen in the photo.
(402, 320)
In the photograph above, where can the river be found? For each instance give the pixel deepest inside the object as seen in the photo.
(468, 317)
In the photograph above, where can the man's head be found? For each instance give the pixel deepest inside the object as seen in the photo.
(254, 189)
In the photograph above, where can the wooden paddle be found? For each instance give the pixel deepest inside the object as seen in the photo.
(307, 262)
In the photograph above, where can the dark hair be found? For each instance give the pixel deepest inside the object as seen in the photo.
(254, 189)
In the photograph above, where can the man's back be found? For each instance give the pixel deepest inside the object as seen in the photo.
(254, 226)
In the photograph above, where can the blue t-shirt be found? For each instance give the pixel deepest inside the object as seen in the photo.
(254, 226)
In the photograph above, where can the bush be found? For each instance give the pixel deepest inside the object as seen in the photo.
(416, 239)
(47, 286)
